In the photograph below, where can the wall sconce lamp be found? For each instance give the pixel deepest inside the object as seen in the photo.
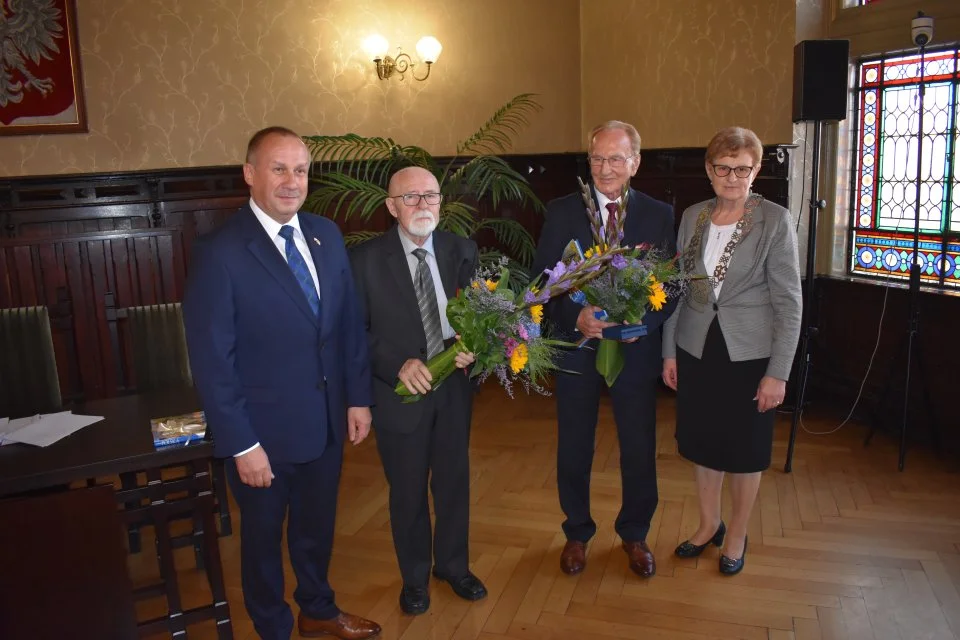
(376, 46)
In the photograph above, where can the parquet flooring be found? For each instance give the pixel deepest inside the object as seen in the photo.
(844, 547)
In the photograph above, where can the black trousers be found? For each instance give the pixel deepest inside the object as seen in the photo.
(307, 493)
(635, 412)
(436, 453)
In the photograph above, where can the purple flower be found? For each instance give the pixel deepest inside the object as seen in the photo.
(556, 273)
(510, 345)
(618, 262)
(529, 297)
(522, 331)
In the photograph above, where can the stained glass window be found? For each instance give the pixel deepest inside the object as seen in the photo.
(884, 202)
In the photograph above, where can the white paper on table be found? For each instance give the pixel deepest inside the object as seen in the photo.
(45, 429)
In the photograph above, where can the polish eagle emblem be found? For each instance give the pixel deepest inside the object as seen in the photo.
(29, 30)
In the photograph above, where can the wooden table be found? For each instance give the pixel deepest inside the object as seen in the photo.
(122, 444)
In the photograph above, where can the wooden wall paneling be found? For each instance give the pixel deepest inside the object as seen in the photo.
(72, 275)
(72, 240)
(848, 314)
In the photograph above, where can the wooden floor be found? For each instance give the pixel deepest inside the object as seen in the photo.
(844, 547)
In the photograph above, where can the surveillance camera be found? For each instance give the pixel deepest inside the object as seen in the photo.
(921, 28)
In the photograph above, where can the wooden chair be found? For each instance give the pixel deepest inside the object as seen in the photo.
(155, 344)
(29, 382)
(64, 568)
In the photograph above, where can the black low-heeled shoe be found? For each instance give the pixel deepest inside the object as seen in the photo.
(689, 550)
(731, 567)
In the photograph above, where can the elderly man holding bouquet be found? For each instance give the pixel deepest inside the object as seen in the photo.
(405, 279)
(614, 157)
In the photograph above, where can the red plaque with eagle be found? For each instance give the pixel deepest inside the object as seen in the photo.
(40, 80)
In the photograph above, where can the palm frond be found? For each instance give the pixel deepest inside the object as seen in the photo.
(459, 218)
(338, 194)
(494, 136)
(367, 158)
(359, 237)
(513, 235)
(490, 175)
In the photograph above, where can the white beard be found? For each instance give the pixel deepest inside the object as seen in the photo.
(422, 227)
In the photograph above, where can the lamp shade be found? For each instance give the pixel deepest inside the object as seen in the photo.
(375, 46)
(429, 48)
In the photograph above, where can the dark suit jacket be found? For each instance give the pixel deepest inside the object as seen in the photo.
(648, 221)
(267, 369)
(392, 316)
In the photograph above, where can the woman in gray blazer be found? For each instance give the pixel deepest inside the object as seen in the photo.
(729, 346)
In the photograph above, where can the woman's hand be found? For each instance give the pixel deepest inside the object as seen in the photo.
(770, 393)
(670, 372)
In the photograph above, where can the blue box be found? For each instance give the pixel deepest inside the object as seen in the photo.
(625, 331)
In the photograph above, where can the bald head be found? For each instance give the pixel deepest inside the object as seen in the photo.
(408, 175)
(413, 198)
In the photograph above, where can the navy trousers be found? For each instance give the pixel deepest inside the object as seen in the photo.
(306, 494)
(634, 399)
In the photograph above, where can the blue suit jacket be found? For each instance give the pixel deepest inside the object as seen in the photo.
(266, 368)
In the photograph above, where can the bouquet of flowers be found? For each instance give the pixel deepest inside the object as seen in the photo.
(636, 280)
(502, 328)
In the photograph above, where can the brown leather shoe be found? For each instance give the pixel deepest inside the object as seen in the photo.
(345, 626)
(641, 558)
(574, 557)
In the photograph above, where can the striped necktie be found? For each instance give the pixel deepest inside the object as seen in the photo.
(427, 301)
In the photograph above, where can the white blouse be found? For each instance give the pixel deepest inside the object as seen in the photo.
(717, 238)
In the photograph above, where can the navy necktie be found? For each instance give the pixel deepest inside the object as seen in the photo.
(300, 270)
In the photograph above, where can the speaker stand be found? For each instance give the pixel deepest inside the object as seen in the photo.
(913, 317)
(807, 329)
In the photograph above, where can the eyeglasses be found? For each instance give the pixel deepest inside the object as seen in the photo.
(413, 199)
(616, 162)
(723, 171)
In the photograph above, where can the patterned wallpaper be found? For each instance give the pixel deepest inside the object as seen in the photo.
(176, 83)
(681, 69)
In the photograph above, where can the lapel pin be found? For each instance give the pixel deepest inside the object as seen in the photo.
(315, 240)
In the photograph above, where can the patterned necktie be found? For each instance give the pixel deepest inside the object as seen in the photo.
(427, 300)
(611, 222)
(300, 270)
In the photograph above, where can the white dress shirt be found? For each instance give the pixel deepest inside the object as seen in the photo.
(431, 259)
(272, 227)
(717, 238)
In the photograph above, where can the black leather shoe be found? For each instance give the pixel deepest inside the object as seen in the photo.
(731, 567)
(467, 586)
(689, 550)
(414, 600)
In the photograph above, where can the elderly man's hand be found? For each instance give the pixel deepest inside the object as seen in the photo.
(588, 324)
(415, 376)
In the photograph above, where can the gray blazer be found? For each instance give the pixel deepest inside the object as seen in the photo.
(760, 302)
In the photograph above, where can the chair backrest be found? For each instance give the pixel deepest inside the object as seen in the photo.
(28, 367)
(158, 347)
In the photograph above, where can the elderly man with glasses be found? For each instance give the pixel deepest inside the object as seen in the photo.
(405, 278)
(614, 157)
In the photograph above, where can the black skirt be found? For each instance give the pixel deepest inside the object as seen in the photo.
(718, 425)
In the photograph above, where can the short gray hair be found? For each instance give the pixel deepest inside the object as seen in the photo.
(610, 125)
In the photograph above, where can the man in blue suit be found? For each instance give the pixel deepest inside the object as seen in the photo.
(279, 355)
(614, 157)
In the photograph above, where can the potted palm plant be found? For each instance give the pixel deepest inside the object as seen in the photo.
(351, 174)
